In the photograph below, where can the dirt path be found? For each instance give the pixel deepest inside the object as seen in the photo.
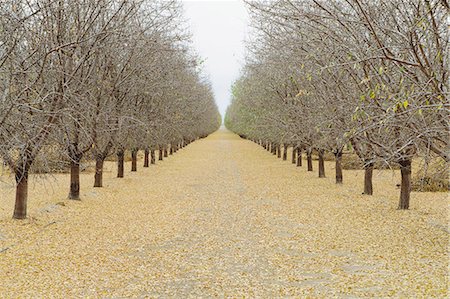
(224, 218)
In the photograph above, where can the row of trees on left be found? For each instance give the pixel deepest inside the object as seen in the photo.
(91, 78)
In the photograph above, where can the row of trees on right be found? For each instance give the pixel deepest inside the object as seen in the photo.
(323, 75)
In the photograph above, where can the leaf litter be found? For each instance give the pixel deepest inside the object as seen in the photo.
(224, 218)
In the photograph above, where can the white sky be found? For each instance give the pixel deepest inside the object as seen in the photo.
(219, 28)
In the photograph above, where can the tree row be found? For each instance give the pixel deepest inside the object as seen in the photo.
(93, 78)
(324, 75)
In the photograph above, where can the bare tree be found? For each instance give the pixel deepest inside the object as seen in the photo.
(370, 73)
(94, 77)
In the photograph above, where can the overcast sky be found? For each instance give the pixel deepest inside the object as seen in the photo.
(219, 28)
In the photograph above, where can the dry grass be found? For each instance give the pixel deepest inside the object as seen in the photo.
(350, 161)
(224, 218)
(127, 156)
(431, 177)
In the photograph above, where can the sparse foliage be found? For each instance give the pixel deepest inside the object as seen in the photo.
(326, 75)
(92, 78)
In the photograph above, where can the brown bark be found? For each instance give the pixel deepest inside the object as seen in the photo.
(368, 173)
(285, 148)
(338, 158)
(171, 149)
(75, 156)
(278, 150)
(309, 159)
(160, 156)
(165, 152)
(294, 155)
(134, 159)
(321, 163)
(146, 153)
(405, 191)
(74, 192)
(20, 207)
(299, 156)
(152, 157)
(120, 163)
(98, 177)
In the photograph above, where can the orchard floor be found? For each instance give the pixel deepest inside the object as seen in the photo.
(223, 218)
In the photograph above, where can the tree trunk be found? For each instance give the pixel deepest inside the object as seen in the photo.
(285, 148)
(98, 178)
(294, 154)
(321, 164)
(274, 149)
(146, 152)
(165, 152)
(20, 207)
(299, 156)
(134, 159)
(309, 158)
(152, 157)
(338, 158)
(405, 192)
(171, 149)
(368, 172)
(160, 157)
(120, 163)
(74, 192)
(278, 150)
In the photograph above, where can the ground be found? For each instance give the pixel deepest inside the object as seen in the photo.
(223, 218)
